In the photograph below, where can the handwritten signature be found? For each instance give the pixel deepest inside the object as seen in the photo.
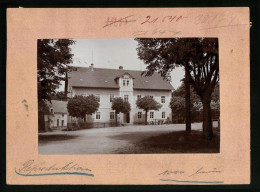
(30, 168)
(201, 170)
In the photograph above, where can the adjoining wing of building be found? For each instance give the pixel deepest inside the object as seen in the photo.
(107, 84)
(58, 115)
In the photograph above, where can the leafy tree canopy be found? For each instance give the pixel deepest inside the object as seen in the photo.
(53, 57)
(120, 106)
(148, 103)
(80, 106)
(199, 56)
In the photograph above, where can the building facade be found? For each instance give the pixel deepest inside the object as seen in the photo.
(58, 115)
(107, 84)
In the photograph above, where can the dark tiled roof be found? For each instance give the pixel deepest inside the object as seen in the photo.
(59, 106)
(105, 78)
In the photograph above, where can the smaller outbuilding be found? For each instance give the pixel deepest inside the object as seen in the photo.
(57, 119)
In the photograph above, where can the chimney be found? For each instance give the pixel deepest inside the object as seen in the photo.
(91, 67)
(121, 67)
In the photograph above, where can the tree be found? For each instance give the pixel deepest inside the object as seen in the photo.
(177, 105)
(60, 95)
(120, 106)
(198, 56)
(196, 104)
(52, 59)
(147, 103)
(80, 106)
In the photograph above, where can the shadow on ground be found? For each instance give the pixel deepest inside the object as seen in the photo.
(48, 138)
(173, 142)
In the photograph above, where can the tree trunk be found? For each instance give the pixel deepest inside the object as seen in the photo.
(41, 123)
(187, 106)
(84, 121)
(66, 85)
(172, 116)
(116, 119)
(145, 117)
(207, 122)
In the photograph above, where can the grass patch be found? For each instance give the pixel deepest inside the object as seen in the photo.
(182, 142)
(175, 142)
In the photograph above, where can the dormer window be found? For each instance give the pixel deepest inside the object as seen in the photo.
(124, 82)
(127, 82)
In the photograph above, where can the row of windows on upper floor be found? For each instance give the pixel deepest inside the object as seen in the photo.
(126, 97)
(139, 115)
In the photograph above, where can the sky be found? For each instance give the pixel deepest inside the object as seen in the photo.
(112, 53)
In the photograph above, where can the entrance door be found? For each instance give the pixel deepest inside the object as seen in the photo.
(128, 117)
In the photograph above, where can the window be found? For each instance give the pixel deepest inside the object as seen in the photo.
(139, 115)
(151, 96)
(111, 97)
(151, 115)
(98, 97)
(162, 99)
(97, 115)
(126, 98)
(139, 96)
(51, 111)
(62, 115)
(112, 115)
(127, 82)
(163, 115)
(123, 82)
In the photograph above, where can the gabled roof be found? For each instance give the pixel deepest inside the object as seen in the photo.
(59, 106)
(126, 73)
(106, 78)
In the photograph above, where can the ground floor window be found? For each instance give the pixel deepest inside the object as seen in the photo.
(163, 115)
(97, 115)
(139, 115)
(151, 115)
(112, 115)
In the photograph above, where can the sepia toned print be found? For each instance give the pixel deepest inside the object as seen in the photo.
(169, 105)
(106, 149)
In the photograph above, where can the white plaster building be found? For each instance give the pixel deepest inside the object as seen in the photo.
(58, 114)
(106, 84)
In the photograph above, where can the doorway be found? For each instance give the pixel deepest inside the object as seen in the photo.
(127, 117)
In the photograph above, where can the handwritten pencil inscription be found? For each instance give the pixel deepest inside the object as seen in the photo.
(173, 175)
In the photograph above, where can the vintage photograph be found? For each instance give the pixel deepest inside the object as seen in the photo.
(128, 96)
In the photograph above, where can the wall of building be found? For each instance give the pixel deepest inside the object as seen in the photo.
(105, 104)
(53, 120)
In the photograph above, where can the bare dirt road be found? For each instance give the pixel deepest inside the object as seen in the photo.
(108, 140)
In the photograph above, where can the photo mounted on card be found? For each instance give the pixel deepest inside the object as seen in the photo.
(128, 96)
